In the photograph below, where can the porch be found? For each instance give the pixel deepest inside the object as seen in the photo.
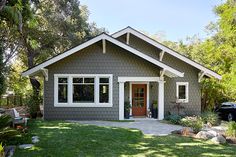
(141, 92)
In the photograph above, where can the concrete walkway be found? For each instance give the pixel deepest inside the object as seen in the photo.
(147, 126)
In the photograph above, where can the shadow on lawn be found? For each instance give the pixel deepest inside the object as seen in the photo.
(72, 139)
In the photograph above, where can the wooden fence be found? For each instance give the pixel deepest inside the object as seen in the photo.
(13, 100)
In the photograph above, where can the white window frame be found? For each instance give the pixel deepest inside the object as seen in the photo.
(70, 90)
(186, 84)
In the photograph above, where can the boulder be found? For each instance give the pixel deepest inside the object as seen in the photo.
(26, 146)
(9, 151)
(218, 140)
(205, 135)
(176, 132)
(186, 131)
(214, 133)
(35, 139)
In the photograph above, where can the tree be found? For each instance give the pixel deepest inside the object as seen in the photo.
(2, 78)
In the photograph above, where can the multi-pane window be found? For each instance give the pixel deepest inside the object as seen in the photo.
(182, 91)
(103, 90)
(62, 90)
(83, 90)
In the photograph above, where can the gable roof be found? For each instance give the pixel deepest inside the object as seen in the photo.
(169, 70)
(144, 37)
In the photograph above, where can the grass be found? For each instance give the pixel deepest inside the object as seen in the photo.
(63, 139)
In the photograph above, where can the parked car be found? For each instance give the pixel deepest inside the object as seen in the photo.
(227, 111)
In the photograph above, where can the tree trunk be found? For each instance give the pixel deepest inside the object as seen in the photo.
(34, 82)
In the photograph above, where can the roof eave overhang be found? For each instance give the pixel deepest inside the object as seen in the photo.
(142, 36)
(171, 71)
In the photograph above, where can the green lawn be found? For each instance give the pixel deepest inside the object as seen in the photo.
(62, 139)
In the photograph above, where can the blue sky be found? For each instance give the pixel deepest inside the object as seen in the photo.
(176, 19)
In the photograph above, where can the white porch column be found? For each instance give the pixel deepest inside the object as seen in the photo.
(121, 100)
(161, 100)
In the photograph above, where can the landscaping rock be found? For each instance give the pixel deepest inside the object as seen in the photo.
(205, 135)
(214, 133)
(9, 150)
(186, 131)
(218, 139)
(35, 139)
(176, 132)
(26, 146)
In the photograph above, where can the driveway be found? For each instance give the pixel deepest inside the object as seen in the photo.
(147, 126)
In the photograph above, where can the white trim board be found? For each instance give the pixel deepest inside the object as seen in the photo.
(138, 79)
(166, 49)
(174, 72)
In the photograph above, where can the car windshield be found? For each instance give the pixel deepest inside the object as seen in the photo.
(228, 104)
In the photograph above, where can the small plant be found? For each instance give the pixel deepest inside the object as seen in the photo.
(127, 107)
(5, 131)
(231, 129)
(195, 122)
(1, 151)
(210, 117)
(154, 109)
(174, 119)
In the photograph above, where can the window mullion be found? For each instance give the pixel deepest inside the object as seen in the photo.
(96, 91)
(70, 90)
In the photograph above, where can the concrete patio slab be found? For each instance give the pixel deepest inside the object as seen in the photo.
(147, 126)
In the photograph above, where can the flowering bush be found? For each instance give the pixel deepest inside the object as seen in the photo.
(195, 122)
(210, 117)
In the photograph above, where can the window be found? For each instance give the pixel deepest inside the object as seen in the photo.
(103, 90)
(62, 90)
(83, 90)
(182, 92)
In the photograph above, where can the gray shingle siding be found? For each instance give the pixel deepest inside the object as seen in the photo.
(119, 62)
(91, 60)
(190, 75)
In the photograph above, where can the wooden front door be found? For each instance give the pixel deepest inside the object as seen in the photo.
(139, 99)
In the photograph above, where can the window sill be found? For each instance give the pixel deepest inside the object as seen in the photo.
(83, 105)
(182, 101)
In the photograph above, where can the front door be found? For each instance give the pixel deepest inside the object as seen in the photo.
(139, 99)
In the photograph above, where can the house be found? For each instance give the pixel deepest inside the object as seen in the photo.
(93, 80)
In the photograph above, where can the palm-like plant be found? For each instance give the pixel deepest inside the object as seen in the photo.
(5, 131)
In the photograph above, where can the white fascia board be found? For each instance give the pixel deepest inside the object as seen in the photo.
(63, 55)
(166, 49)
(112, 40)
(138, 79)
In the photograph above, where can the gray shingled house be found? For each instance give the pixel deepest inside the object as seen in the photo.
(94, 79)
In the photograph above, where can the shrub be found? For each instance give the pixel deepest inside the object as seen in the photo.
(5, 131)
(174, 119)
(1, 151)
(210, 117)
(231, 129)
(33, 103)
(195, 122)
